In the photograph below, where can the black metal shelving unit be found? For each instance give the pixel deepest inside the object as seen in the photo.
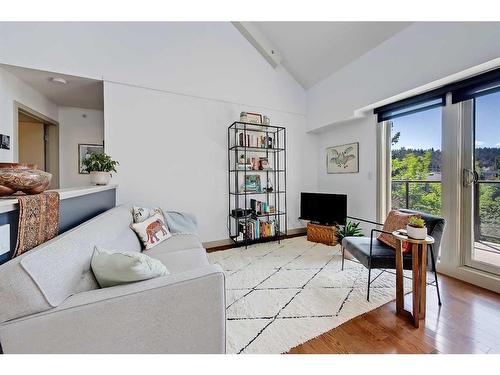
(238, 198)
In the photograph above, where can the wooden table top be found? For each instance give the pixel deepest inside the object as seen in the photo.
(402, 236)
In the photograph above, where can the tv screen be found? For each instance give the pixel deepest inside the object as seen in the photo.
(322, 208)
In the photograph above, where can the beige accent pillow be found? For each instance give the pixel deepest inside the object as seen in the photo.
(123, 267)
(152, 231)
(142, 213)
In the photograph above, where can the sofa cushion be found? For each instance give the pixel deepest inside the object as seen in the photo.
(142, 213)
(183, 260)
(152, 231)
(19, 295)
(61, 267)
(181, 222)
(112, 268)
(175, 243)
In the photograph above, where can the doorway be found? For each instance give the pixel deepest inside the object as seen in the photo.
(38, 141)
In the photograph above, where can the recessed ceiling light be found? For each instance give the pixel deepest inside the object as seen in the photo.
(58, 80)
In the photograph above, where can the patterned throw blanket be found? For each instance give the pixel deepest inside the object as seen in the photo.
(38, 220)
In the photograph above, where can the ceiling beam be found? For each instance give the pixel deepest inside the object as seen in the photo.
(259, 41)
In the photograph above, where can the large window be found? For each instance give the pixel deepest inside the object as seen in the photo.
(416, 161)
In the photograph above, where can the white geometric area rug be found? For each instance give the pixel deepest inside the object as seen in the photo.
(281, 295)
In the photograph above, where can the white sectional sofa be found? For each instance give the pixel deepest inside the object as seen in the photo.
(50, 301)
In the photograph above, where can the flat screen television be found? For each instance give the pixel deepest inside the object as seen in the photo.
(322, 208)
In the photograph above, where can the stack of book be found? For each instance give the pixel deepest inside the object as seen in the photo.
(259, 207)
(254, 229)
(252, 140)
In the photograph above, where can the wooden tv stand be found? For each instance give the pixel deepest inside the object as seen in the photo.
(325, 234)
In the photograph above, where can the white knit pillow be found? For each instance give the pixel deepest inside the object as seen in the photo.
(152, 231)
(122, 267)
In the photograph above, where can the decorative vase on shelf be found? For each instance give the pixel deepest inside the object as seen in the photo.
(99, 166)
(99, 178)
(418, 233)
(19, 177)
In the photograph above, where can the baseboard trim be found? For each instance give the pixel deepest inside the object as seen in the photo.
(228, 243)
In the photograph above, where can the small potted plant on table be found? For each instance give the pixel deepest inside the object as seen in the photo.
(416, 228)
(100, 167)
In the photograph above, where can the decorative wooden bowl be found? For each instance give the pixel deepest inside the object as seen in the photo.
(19, 177)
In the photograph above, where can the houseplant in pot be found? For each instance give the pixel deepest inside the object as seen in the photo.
(100, 167)
(416, 228)
(350, 229)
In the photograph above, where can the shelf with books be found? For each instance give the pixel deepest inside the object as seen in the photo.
(270, 214)
(252, 150)
(242, 242)
(255, 149)
(257, 170)
(256, 192)
(251, 127)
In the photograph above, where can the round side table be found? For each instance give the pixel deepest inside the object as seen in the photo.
(419, 275)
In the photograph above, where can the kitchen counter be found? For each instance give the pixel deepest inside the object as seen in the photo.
(10, 204)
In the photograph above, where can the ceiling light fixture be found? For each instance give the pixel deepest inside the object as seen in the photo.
(59, 80)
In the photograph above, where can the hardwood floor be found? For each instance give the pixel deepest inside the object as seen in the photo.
(467, 322)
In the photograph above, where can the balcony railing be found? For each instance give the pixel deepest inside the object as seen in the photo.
(416, 195)
(425, 195)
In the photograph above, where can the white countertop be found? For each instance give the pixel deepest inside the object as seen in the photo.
(10, 204)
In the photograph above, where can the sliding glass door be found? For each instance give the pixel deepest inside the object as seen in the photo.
(481, 183)
(416, 161)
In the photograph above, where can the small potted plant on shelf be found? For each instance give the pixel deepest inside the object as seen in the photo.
(100, 167)
(416, 228)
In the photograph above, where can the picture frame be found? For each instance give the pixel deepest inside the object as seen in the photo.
(343, 158)
(4, 142)
(85, 149)
(254, 118)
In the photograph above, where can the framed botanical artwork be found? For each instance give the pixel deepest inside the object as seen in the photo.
(343, 158)
(84, 151)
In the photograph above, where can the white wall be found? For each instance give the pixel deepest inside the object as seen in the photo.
(167, 85)
(360, 187)
(13, 89)
(74, 128)
(207, 59)
(176, 154)
(420, 54)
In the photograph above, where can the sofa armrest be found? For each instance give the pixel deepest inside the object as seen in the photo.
(177, 313)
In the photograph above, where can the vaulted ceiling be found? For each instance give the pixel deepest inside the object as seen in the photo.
(311, 51)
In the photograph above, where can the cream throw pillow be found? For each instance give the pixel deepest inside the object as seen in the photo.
(122, 267)
(142, 213)
(152, 231)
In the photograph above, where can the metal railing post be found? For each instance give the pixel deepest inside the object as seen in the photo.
(407, 194)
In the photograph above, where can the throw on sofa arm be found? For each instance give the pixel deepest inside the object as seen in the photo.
(177, 313)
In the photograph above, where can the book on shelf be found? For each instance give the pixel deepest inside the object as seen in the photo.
(242, 167)
(254, 229)
(260, 208)
(252, 184)
(255, 140)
